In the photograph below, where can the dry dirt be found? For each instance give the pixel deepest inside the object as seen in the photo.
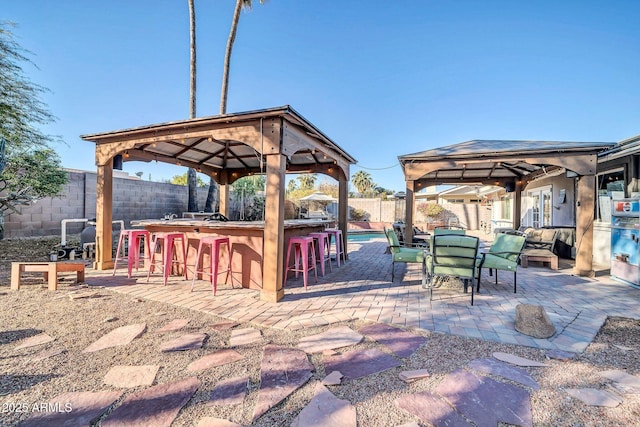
(76, 323)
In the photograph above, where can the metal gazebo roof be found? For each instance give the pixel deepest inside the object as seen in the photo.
(496, 161)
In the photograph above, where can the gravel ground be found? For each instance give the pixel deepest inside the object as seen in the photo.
(76, 323)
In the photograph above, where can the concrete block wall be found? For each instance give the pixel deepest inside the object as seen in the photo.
(468, 215)
(378, 210)
(44, 217)
(132, 199)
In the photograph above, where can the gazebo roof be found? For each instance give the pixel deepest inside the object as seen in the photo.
(228, 146)
(497, 161)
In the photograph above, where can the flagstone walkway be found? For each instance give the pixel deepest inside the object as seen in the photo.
(489, 391)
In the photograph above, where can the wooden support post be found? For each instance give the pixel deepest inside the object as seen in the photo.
(343, 210)
(584, 226)
(408, 214)
(273, 250)
(104, 217)
(224, 199)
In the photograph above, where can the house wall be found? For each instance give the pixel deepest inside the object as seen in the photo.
(563, 213)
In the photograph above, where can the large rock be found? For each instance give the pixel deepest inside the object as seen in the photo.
(532, 320)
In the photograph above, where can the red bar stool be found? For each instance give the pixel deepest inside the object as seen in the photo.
(323, 247)
(303, 247)
(214, 243)
(167, 241)
(340, 244)
(133, 239)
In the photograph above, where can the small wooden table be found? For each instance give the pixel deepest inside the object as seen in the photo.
(49, 269)
(542, 255)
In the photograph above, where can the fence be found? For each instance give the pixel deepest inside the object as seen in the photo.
(137, 199)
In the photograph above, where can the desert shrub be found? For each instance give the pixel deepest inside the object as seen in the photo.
(359, 215)
(430, 210)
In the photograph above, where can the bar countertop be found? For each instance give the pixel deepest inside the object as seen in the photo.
(227, 225)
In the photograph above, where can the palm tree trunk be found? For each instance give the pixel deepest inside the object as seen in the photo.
(213, 186)
(211, 196)
(192, 204)
(227, 56)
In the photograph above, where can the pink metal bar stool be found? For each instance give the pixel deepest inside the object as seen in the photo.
(323, 248)
(133, 239)
(303, 247)
(340, 244)
(167, 241)
(214, 243)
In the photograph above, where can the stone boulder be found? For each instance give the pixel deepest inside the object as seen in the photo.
(534, 321)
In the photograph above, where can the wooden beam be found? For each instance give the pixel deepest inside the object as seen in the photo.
(581, 163)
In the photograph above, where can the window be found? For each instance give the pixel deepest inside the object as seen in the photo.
(610, 186)
(506, 212)
(539, 207)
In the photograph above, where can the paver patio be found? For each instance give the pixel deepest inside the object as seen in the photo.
(362, 289)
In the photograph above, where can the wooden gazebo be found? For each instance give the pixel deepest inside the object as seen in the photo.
(273, 142)
(511, 164)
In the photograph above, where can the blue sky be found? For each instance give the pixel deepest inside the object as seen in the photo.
(382, 79)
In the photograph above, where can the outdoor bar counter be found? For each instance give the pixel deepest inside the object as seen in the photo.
(246, 238)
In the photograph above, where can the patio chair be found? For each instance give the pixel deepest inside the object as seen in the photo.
(449, 230)
(416, 242)
(453, 256)
(406, 255)
(503, 254)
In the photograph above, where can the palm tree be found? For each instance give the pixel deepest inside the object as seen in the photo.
(307, 180)
(291, 186)
(192, 205)
(362, 181)
(240, 4)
